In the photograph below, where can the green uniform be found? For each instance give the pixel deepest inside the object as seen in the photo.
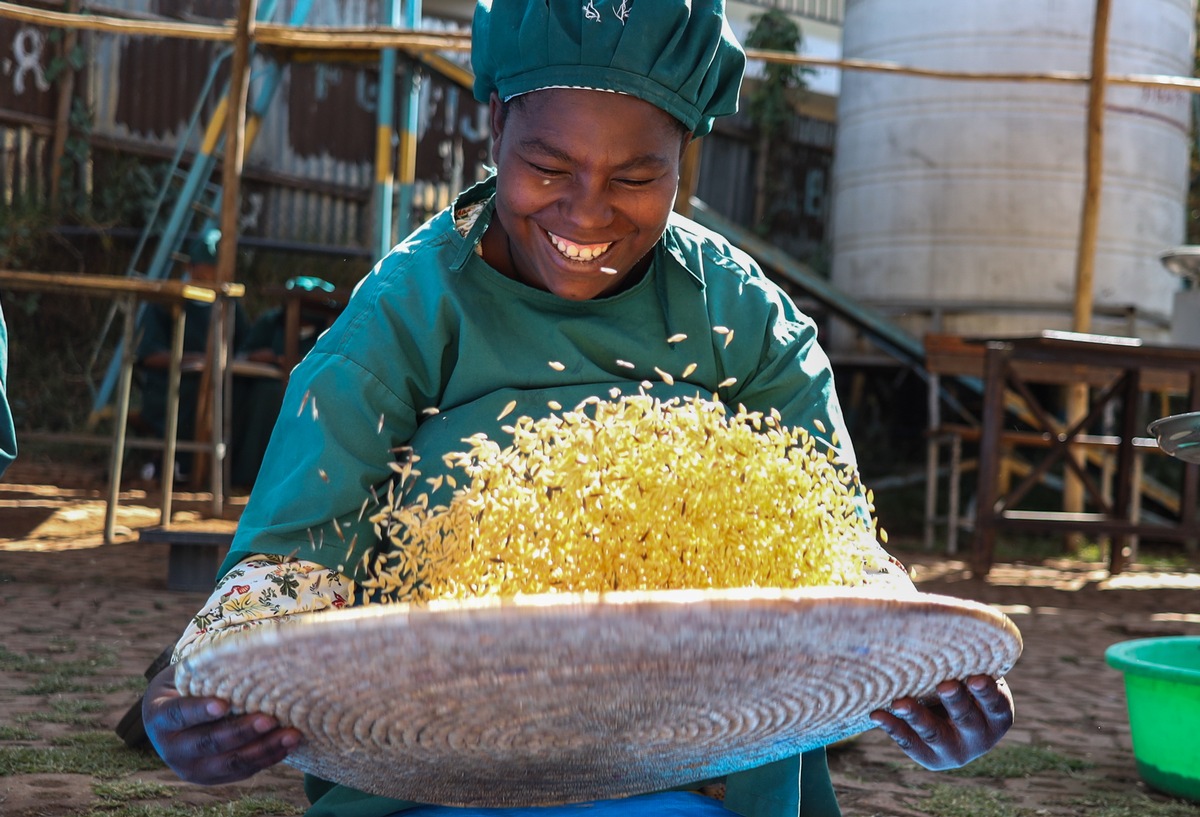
(435, 327)
(8, 435)
(259, 398)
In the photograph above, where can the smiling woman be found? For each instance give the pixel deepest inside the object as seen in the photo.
(585, 181)
(565, 280)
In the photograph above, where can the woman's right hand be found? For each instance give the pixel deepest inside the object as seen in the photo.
(203, 743)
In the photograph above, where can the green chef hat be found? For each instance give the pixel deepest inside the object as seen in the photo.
(203, 249)
(677, 54)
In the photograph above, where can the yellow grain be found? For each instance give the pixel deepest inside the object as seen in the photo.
(632, 493)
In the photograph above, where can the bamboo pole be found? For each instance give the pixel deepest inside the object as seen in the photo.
(385, 133)
(235, 131)
(876, 66)
(1191, 84)
(1089, 222)
(689, 175)
(358, 38)
(62, 117)
(407, 154)
(317, 38)
(231, 178)
(1077, 394)
(273, 34)
(115, 25)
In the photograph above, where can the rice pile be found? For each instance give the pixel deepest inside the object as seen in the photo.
(629, 494)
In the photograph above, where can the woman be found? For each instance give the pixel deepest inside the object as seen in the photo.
(564, 276)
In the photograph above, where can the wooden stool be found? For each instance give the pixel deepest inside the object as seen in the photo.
(194, 557)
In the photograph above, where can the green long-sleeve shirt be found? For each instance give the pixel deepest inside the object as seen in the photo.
(433, 326)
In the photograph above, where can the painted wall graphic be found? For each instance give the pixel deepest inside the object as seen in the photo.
(24, 56)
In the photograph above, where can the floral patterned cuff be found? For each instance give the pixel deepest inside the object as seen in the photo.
(264, 589)
(888, 573)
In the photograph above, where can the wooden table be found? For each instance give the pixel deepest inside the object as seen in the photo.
(129, 292)
(1120, 368)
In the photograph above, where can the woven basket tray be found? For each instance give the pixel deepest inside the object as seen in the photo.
(566, 698)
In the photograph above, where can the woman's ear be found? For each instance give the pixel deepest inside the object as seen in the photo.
(497, 113)
(687, 140)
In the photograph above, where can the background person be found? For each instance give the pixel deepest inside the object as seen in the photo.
(260, 397)
(154, 352)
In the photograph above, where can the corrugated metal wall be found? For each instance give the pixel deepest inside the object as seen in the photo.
(796, 218)
(309, 176)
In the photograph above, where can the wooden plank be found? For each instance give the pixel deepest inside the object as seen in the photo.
(962, 356)
(1057, 521)
(1089, 222)
(193, 557)
(62, 116)
(165, 291)
(1043, 439)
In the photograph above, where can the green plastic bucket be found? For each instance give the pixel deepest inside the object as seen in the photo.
(1162, 689)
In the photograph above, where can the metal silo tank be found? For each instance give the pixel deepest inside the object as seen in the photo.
(960, 194)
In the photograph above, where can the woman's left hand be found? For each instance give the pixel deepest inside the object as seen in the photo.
(972, 717)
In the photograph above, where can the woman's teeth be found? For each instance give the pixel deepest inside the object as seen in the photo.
(577, 251)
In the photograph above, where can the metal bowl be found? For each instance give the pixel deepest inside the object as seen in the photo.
(1179, 435)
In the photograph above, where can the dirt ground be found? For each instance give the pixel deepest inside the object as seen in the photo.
(80, 621)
